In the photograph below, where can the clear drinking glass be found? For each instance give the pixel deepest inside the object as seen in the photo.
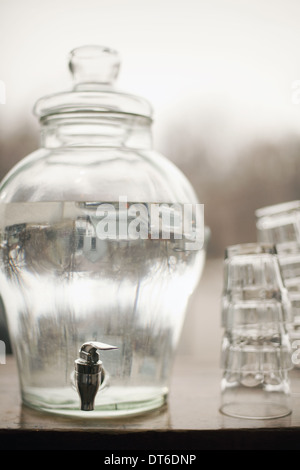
(256, 365)
(256, 349)
(252, 272)
(253, 314)
(289, 261)
(81, 257)
(280, 224)
(252, 391)
(264, 348)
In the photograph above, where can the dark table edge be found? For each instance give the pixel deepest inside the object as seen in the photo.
(222, 439)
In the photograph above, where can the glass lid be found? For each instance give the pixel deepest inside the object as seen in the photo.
(94, 70)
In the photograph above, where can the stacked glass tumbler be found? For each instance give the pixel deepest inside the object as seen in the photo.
(256, 351)
(279, 224)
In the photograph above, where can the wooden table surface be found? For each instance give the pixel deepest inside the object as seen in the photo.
(191, 420)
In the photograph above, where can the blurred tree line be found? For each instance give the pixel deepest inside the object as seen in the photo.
(261, 174)
(16, 146)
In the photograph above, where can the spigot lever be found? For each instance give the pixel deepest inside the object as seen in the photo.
(89, 371)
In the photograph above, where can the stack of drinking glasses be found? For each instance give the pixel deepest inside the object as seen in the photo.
(256, 352)
(280, 225)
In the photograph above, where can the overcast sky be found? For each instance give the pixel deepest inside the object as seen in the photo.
(192, 59)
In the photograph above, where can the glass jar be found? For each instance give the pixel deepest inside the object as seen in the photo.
(93, 247)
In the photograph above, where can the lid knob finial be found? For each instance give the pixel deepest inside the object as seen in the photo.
(94, 64)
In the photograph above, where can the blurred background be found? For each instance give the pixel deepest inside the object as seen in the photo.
(224, 80)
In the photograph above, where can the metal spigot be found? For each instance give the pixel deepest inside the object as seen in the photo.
(89, 372)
